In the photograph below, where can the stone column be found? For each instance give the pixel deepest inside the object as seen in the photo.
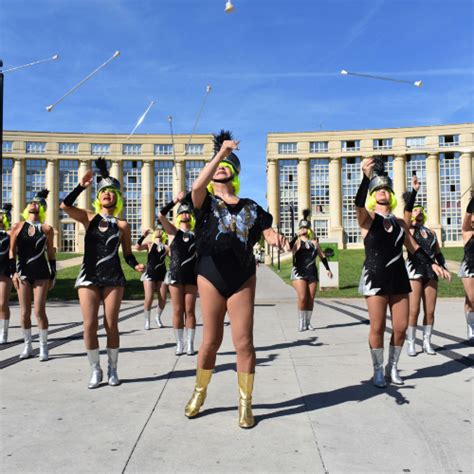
(399, 182)
(432, 197)
(148, 195)
(52, 183)
(273, 199)
(179, 178)
(335, 201)
(304, 200)
(467, 179)
(18, 188)
(84, 201)
(116, 171)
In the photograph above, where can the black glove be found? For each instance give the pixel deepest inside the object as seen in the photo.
(141, 239)
(441, 260)
(411, 201)
(470, 206)
(325, 263)
(361, 195)
(73, 195)
(293, 242)
(131, 260)
(12, 266)
(52, 268)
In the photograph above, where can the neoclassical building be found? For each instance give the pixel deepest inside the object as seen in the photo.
(151, 168)
(321, 171)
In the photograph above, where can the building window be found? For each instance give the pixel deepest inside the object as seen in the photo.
(351, 178)
(132, 196)
(448, 140)
(450, 195)
(350, 145)
(100, 149)
(97, 177)
(388, 160)
(288, 178)
(415, 142)
(195, 149)
(35, 177)
(382, 144)
(68, 148)
(416, 164)
(319, 186)
(7, 172)
(193, 168)
(321, 228)
(163, 184)
(288, 148)
(318, 147)
(131, 149)
(163, 149)
(68, 237)
(68, 178)
(7, 147)
(35, 147)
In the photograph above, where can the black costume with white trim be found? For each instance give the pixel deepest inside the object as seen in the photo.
(4, 248)
(156, 265)
(384, 271)
(304, 265)
(182, 269)
(418, 267)
(467, 264)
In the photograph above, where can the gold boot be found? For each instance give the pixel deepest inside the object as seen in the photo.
(203, 377)
(246, 419)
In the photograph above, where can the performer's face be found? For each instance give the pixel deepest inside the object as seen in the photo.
(107, 198)
(418, 214)
(222, 172)
(303, 231)
(185, 218)
(34, 207)
(382, 197)
(158, 233)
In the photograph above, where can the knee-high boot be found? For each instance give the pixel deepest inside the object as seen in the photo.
(246, 419)
(28, 349)
(309, 315)
(112, 355)
(4, 325)
(203, 377)
(377, 362)
(302, 321)
(391, 370)
(179, 336)
(410, 339)
(470, 325)
(146, 314)
(43, 340)
(427, 347)
(94, 360)
(158, 321)
(190, 333)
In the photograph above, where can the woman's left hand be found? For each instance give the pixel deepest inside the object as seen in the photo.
(438, 270)
(140, 267)
(330, 275)
(447, 274)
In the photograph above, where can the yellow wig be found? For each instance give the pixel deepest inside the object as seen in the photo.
(309, 234)
(192, 221)
(118, 201)
(371, 202)
(163, 239)
(235, 180)
(42, 213)
(423, 212)
(5, 222)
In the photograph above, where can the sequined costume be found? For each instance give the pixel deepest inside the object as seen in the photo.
(226, 237)
(304, 266)
(467, 265)
(31, 249)
(418, 267)
(101, 265)
(384, 272)
(182, 269)
(156, 265)
(4, 248)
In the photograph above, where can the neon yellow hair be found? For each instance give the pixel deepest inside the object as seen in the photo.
(5, 222)
(425, 216)
(42, 213)
(371, 202)
(163, 239)
(192, 221)
(118, 201)
(309, 233)
(235, 180)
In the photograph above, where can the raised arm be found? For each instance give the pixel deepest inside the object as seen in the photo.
(411, 201)
(198, 191)
(169, 228)
(276, 240)
(466, 223)
(81, 215)
(363, 216)
(140, 245)
(323, 258)
(12, 254)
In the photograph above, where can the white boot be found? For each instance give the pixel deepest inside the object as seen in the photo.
(190, 333)
(179, 334)
(391, 370)
(28, 349)
(112, 355)
(377, 362)
(411, 338)
(159, 323)
(470, 325)
(427, 348)
(43, 340)
(302, 321)
(146, 313)
(309, 314)
(4, 325)
(94, 360)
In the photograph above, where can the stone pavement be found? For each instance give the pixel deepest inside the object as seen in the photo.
(315, 406)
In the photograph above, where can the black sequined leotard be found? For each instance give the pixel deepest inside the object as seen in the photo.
(226, 236)
(182, 269)
(31, 249)
(304, 265)
(4, 248)
(467, 264)
(384, 271)
(418, 266)
(156, 265)
(101, 265)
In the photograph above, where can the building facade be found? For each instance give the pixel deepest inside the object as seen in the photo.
(151, 168)
(321, 171)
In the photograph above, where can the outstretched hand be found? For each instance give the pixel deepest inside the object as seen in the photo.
(368, 166)
(228, 146)
(87, 179)
(415, 183)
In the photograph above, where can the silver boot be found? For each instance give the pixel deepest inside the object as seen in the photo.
(302, 321)
(470, 325)
(309, 315)
(112, 355)
(179, 335)
(28, 349)
(377, 361)
(43, 340)
(410, 340)
(158, 320)
(147, 319)
(4, 325)
(190, 333)
(427, 347)
(94, 360)
(391, 370)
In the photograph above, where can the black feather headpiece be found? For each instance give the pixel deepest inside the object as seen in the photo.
(305, 222)
(232, 159)
(380, 178)
(101, 164)
(106, 180)
(40, 197)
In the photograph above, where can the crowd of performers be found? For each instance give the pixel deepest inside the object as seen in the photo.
(210, 248)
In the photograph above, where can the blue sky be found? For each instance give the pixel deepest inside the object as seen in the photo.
(273, 65)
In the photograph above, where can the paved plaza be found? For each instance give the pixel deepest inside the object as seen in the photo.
(316, 408)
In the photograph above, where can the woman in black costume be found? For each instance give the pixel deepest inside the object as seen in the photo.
(5, 273)
(155, 271)
(101, 277)
(34, 274)
(466, 272)
(304, 274)
(423, 280)
(181, 276)
(384, 281)
(227, 228)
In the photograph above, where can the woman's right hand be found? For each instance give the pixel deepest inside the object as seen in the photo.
(228, 146)
(368, 166)
(87, 179)
(179, 197)
(415, 183)
(16, 281)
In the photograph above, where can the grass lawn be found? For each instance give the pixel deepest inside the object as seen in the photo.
(350, 265)
(67, 255)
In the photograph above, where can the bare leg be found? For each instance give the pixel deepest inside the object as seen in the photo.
(5, 290)
(399, 308)
(148, 287)
(25, 297)
(430, 295)
(377, 306)
(89, 299)
(301, 287)
(40, 293)
(415, 300)
(163, 296)
(312, 288)
(177, 301)
(190, 293)
(468, 284)
(112, 301)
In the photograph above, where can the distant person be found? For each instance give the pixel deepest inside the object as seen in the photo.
(6, 272)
